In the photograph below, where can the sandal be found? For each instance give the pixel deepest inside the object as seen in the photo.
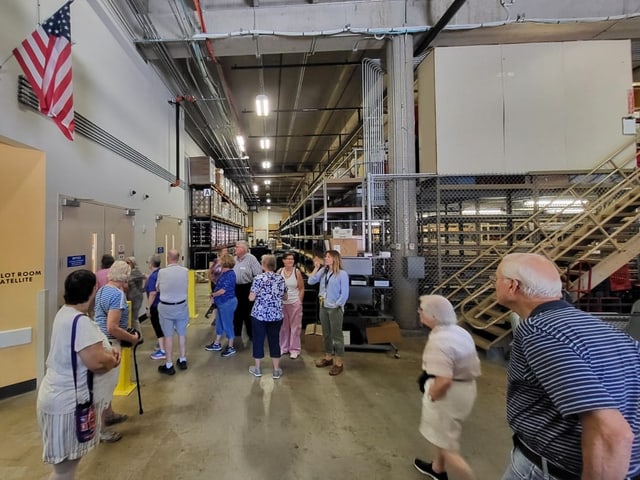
(110, 436)
(115, 418)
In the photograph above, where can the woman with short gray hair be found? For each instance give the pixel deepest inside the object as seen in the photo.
(450, 366)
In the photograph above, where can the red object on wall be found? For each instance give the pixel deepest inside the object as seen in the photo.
(620, 280)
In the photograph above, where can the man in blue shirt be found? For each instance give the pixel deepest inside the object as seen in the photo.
(573, 398)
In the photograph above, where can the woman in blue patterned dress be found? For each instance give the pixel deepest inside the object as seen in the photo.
(268, 291)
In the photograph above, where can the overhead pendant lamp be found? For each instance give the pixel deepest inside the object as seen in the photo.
(262, 105)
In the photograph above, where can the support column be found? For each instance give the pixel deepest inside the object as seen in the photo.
(402, 161)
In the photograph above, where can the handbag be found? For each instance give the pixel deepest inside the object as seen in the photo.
(85, 413)
(422, 380)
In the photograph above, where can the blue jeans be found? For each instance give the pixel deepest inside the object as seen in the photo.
(224, 323)
(521, 468)
(271, 330)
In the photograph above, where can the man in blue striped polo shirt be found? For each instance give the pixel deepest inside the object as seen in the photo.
(573, 398)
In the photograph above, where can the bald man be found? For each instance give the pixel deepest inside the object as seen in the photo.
(573, 393)
(172, 286)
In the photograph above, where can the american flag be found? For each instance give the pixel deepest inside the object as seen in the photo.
(45, 58)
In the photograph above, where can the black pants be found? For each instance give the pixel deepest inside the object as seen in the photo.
(155, 321)
(242, 314)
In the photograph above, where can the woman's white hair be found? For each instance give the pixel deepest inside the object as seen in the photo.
(438, 308)
(119, 271)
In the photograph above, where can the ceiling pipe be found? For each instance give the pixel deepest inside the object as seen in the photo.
(221, 76)
(293, 65)
(438, 27)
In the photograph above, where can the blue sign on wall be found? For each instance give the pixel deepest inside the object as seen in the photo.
(160, 250)
(76, 261)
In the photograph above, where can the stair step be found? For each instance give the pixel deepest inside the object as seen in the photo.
(481, 342)
(499, 330)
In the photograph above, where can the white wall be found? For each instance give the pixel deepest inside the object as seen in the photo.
(523, 108)
(114, 89)
(263, 218)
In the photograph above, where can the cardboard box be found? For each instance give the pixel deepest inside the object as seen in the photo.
(201, 170)
(385, 332)
(312, 340)
(348, 247)
(342, 232)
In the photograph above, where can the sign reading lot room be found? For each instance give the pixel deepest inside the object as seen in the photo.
(24, 276)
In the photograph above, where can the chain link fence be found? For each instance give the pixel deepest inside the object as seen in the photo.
(461, 226)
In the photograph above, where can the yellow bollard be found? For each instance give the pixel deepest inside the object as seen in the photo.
(191, 294)
(125, 386)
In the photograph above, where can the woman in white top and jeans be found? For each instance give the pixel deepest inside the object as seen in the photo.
(292, 323)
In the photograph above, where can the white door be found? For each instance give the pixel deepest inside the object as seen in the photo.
(80, 240)
(87, 231)
(118, 229)
(168, 236)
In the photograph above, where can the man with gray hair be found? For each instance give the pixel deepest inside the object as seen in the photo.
(247, 268)
(573, 397)
(172, 286)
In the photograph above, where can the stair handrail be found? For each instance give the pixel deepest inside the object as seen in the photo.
(495, 247)
(489, 302)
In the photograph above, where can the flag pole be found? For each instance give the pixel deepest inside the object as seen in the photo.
(5, 61)
(38, 15)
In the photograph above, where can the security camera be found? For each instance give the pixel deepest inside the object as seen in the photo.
(132, 192)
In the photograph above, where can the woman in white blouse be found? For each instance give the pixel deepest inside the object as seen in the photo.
(292, 323)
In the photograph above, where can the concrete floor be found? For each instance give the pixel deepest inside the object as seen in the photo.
(216, 420)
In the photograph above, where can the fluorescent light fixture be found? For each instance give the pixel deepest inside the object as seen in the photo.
(255, 187)
(564, 210)
(482, 211)
(268, 200)
(555, 202)
(265, 143)
(240, 142)
(267, 182)
(266, 164)
(262, 105)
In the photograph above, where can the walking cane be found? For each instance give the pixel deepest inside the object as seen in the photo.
(135, 366)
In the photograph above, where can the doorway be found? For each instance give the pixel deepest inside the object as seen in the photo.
(168, 236)
(87, 230)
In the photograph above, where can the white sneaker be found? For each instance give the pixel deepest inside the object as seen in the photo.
(293, 356)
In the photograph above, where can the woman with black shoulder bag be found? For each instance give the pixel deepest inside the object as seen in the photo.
(78, 349)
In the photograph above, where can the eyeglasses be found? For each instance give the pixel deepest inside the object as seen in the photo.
(494, 279)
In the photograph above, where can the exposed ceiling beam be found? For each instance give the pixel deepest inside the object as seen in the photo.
(294, 65)
(438, 27)
(300, 135)
(307, 110)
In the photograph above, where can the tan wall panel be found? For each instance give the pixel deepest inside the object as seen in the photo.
(469, 107)
(527, 107)
(427, 132)
(22, 216)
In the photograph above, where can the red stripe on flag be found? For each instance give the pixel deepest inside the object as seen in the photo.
(45, 58)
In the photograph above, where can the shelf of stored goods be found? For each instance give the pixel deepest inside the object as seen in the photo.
(216, 221)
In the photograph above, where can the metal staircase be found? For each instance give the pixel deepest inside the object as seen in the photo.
(604, 233)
